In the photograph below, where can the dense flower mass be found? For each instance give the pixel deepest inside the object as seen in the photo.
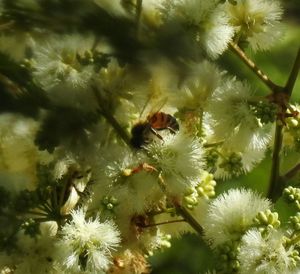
(117, 124)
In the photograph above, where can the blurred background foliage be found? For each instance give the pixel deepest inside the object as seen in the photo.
(190, 255)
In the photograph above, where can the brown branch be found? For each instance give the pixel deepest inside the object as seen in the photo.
(293, 75)
(164, 223)
(291, 173)
(188, 218)
(276, 184)
(275, 169)
(111, 119)
(180, 209)
(262, 76)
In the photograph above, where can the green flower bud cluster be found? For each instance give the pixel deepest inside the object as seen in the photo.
(232, 163)
(294, 258)
(228, 257)
(292, 195)
(265, 111)
(295, 221)
(109, 203)
(292, 128)
(190, 199)
(31, 227)
(294, 255)
(206, 187)
(212, 158)
(267, 220)
(164, 243)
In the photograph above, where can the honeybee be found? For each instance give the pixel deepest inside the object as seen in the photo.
(141, 132)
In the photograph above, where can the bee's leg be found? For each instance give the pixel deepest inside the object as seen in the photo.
(172, 130)
(156, 133)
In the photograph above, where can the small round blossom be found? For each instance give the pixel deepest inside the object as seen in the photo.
(232, 120)
(180, 157)
(87, 244)
(199, 85)
(256, 21)
(265, 254)
(231, 214)
(59, 71)
(204, 20)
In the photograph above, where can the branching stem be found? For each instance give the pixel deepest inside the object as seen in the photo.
(276, 186)
(262, 76)
(181, 209)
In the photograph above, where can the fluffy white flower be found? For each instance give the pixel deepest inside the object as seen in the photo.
(127, 177)
(87, 244)
(207, 22)
(217, 33)
(265, 255)
(232, 120)
(231, 214)
(180, 158)
(199, 85)
(58, 70)
(256, 21)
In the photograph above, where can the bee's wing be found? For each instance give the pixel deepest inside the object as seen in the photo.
(153, 105)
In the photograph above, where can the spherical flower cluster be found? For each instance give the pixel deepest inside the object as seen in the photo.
(180, 158)
(265, 254)
(87, 244)
(231, 121)
(207, 23)
(57, 68)
(231, 214)
(256, 21)
(202, 80)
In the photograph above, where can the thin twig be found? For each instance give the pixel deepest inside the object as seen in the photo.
(110, 119)
(293, 75)
(262, 76)
(189, 218)
(164, 223)
(181, 209)
(291, 173)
